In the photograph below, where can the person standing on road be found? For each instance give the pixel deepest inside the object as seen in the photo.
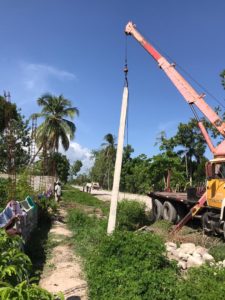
(57, 191)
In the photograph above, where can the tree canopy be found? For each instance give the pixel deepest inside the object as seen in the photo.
(56, 128)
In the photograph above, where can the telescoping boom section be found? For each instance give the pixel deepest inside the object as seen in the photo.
(186, 90)
(181, 207)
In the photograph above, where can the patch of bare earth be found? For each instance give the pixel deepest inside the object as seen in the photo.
(62, 271)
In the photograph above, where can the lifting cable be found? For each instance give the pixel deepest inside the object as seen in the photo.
(194, 112)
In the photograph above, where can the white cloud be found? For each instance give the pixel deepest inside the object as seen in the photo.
(27, 81)
(38, 75)
(78, 152)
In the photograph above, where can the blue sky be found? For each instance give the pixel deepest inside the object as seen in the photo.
(77, 48)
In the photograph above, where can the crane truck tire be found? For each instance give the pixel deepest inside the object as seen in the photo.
(224, 230)
(157, 209)
(206, 223)
(169, 212)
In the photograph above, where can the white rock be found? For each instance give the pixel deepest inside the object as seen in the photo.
(194, 262)
(176, 253)
(207, 257)
(170, 246)
(219, 264)
(197, 255)
(183, 255)
(188, 248)
(201, 250)
(170, 256)
(224, 263)
(182, 264)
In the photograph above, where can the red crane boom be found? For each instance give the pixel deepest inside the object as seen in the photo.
(189, 93)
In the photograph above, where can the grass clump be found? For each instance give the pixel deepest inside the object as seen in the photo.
(131, 215)
(218, 252)
(88, 231)
(202, 283)
(74, 195)
(130, 265)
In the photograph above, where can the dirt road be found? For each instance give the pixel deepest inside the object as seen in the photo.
(105, 195)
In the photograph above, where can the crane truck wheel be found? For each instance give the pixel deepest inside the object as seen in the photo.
(224, 230)
(157, 209)
(206, 223)
(169, 212)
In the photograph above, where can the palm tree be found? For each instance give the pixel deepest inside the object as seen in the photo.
(55, 129)
(110, 154)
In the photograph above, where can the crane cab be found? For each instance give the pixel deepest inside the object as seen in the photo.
(215, 186)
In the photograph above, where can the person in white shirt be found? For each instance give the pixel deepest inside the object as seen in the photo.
(57, 191)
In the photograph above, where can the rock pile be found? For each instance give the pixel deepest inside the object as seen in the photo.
(188, 255)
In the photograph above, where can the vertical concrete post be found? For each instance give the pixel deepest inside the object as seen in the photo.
(118, 164)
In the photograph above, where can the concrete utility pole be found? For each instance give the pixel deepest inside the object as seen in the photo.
(118, 164)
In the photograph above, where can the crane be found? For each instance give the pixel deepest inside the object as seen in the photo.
(212, 203)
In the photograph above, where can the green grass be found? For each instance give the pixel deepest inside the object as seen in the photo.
(218, 252)
(120, 266)
(88, 231)
(73, 195)
(132, 265)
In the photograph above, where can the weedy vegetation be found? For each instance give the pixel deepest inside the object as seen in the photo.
(131, 264)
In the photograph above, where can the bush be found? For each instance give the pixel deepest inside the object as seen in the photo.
(15, 269)
(46, 205)
(15, 266)
(218, 252)
(130, 266)
(23, 188)
(88, 231)
(24, 291)
(131, 215)
(3, 192)
(204, 283)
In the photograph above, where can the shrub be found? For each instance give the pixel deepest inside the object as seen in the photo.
(218, 252)
(24, 291)
(23, 188)
(130, 265)
(131, 215)
(46, 204)
(15, 266)
(203, 283)
(3, 192)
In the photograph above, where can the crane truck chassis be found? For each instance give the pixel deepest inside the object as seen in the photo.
(173, 206)
(179, 208)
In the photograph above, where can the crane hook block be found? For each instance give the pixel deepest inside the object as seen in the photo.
(125, 69)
